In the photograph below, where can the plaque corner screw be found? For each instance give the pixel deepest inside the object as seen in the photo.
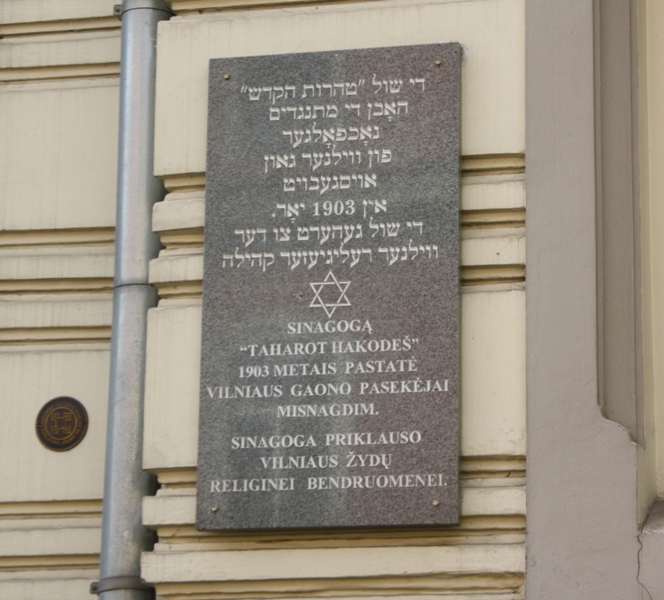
(439, 62)
(436, 502)
(214, 509)
(227, 76)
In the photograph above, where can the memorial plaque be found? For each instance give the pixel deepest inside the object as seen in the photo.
(329, 377)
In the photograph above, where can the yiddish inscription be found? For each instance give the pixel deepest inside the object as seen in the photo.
(329, 377)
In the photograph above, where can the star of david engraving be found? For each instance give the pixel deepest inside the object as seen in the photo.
(330, 294)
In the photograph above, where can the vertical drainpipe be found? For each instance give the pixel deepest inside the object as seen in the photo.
(125, 482)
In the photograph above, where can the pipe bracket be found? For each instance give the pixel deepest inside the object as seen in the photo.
(118, 583)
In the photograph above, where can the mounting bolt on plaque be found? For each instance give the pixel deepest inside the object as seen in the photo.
(436, 502)
(439, 62)
(214, 509)
(227, 76)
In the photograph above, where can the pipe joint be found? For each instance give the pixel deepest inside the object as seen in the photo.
(127, 5)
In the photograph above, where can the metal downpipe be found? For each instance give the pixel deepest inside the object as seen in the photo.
(125, 482)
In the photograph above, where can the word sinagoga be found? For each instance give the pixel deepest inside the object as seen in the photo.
(355, 326)
(390, 438)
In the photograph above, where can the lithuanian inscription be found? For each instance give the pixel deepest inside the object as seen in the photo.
(329, 377)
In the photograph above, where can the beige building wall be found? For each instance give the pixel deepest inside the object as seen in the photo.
(483, 557)
(58, 125)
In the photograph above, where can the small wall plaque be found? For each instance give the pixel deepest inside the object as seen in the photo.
(62, 424)
(329, 380)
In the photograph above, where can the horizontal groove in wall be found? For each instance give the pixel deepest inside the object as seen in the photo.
(59, 509)
(56, 237)
(481, 592)
(56, 286)
(52, 335)
(479, 587)
(493, 218)
(470, 466)
(394, 585)
(60, 72)
(34, 28)
(187, 7)
(490, 255)
(48, 347)
(48, 563)
(470, 276)
(500, 531)
(181, 593)
(473, 525)
(454, 570)
(176, 509)
(182, 238)
(493, 274)
(176, 478)
(480, 219)
(188, 290)
(471, 166)
(492, 164)
(490, 466)
(492, 503)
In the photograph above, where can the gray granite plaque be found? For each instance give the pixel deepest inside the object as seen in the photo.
(329, 378)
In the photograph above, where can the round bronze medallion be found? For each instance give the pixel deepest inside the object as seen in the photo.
(62, 424)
